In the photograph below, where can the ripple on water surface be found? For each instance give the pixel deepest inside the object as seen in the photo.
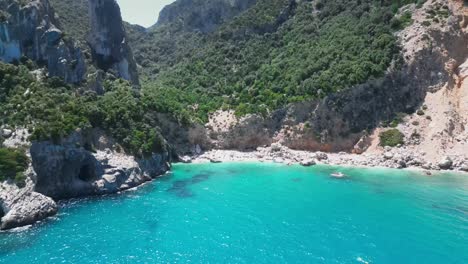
(259, 213)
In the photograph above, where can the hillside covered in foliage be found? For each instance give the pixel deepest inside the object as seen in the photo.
(270, 54)
(274, 53)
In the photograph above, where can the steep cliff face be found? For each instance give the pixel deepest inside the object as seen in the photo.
(201, 15)
(108, 42)
(31, 30)
(70, 170)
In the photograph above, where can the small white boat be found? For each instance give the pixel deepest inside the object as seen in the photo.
(337, 175)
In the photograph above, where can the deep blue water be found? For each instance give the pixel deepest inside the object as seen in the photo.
(259, 213)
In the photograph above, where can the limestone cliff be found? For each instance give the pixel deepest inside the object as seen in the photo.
(108, 42)
(31, 30)
(201, 15)
(72, 170)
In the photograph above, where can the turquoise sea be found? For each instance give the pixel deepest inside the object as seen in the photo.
(259, 213)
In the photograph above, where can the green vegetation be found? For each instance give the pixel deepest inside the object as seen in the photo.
(391, 138)
(273, 54)
(437, 14)
(53, 109)
(73, 16)
(402, 21)
(397, 120)
(13, 163)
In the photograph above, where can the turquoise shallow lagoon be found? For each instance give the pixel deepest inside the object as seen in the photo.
(259, 213)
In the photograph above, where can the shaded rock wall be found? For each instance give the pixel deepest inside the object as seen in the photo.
(70, 169)
(31, 30)
(108, 42)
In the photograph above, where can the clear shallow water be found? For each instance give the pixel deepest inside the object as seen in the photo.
(259, 213)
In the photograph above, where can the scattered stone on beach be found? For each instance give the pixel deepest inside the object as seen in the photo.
(388, 155)
(213, 160)
(278, 160)
(445, 163)
(185, 159)
(402, 164)
(463, 167)
(321, 156)
(308, 162)
(392, 158)
(427, 166)
(276, 147)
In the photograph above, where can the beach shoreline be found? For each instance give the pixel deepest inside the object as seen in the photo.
(393, 158)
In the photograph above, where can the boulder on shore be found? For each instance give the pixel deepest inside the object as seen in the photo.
(308, 163)
(321, 156)
(22, 207)
(445, 163)
(185, 159)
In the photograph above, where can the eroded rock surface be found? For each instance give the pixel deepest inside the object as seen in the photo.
(70, 170)
(21, 207)
(108, 41)
(32, 31)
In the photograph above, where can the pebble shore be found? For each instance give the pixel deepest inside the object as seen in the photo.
(397, 158)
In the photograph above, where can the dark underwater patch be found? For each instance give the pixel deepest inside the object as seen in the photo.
(200, 178)
(181, 188)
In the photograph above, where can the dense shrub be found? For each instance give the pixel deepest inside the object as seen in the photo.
(264, 59)
(13, 163)
(276, 52)
(391, 138)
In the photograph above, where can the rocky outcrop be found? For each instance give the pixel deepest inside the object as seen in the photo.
(86, 163)
(31, 31)
(21, 207)
(226, 131)
(108, 41)
(70, 170)
(201, 15)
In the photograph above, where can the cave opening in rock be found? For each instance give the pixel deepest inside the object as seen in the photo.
(87, 173)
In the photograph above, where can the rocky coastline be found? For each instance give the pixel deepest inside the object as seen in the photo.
(395, 158)
(84, 164)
